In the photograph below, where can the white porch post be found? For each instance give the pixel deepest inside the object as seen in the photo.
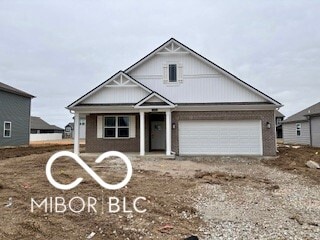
(76, 134)
(142, 140)
(168, 132)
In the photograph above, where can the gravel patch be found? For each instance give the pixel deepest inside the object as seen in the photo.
(247, 210)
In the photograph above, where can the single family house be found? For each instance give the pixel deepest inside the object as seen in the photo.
(279, 118)
(43, 131)
(15, 107)
(303, 127)
(176, 101)
(69, 129)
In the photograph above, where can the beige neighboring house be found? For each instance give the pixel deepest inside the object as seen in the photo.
(303, 127)
(176, 101)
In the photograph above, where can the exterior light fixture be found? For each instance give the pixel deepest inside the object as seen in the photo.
(268, 125)
(173, 125)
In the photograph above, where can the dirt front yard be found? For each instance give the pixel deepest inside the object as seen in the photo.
(212, 198)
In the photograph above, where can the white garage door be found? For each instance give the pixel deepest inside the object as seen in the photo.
(236, 137)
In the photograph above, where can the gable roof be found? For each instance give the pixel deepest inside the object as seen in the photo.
(13, 90)
(215, 66)
(161, 100)
(105, 83)
(38, 124)
(278, 114)
(70, 124)
(301, 116)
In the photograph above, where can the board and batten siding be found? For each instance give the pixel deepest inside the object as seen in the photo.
(197, 76)
(315, 131)
(114, 95)
(290, 133)
(15, 109)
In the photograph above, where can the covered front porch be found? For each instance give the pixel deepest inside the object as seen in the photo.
(149, 131)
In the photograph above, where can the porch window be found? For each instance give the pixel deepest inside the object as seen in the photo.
(298, 128)
(116, 127)
(7, 129)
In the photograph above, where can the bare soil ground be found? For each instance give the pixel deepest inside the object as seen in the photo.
(294, 160)
(184, 197)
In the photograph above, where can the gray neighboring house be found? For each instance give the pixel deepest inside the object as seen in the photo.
(15, 107)
(303, 127)
(39, 126)
(69, 129)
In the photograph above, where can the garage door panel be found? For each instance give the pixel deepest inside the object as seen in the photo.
(220, 137)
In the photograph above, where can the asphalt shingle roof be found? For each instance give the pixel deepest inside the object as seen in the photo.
(278, 114)
(301, 116)
(10, 89)
(38, 124)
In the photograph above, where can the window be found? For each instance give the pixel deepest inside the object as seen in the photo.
(279, 120)
(298, 128)
(7, 129)
(68, 129)
(116, 127)
(172, 72)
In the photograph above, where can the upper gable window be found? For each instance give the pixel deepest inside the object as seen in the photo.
(172, 72)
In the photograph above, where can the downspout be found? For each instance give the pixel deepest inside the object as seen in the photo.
(275, 130)
(310, 129)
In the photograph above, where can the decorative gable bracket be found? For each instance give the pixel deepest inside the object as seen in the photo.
(154, 100)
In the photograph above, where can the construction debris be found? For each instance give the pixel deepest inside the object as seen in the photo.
(313, 165)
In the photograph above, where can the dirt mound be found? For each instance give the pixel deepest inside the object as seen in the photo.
(294, 160)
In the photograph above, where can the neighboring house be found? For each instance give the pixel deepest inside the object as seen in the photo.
(279, 118)
(43, 131)
(176, 101)
(303, 127)
(69, 129)
(15, 107)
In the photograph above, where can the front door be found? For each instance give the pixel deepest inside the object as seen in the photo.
(158, 135)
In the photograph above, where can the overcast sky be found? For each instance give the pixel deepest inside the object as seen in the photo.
(59, 50)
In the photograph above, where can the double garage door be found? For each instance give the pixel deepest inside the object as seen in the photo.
(212, 137)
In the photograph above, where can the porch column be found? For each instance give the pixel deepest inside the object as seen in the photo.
(168, 132)
(76, 134)
(142, 130)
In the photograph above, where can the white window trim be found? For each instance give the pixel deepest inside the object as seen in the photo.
(116, 127)
(4, 129)
(298, 128)
(179, 72)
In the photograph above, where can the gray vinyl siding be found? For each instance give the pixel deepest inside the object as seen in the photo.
(15, 109)
(290, 133)
(315, 131)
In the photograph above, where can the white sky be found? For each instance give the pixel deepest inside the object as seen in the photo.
(59, 50)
